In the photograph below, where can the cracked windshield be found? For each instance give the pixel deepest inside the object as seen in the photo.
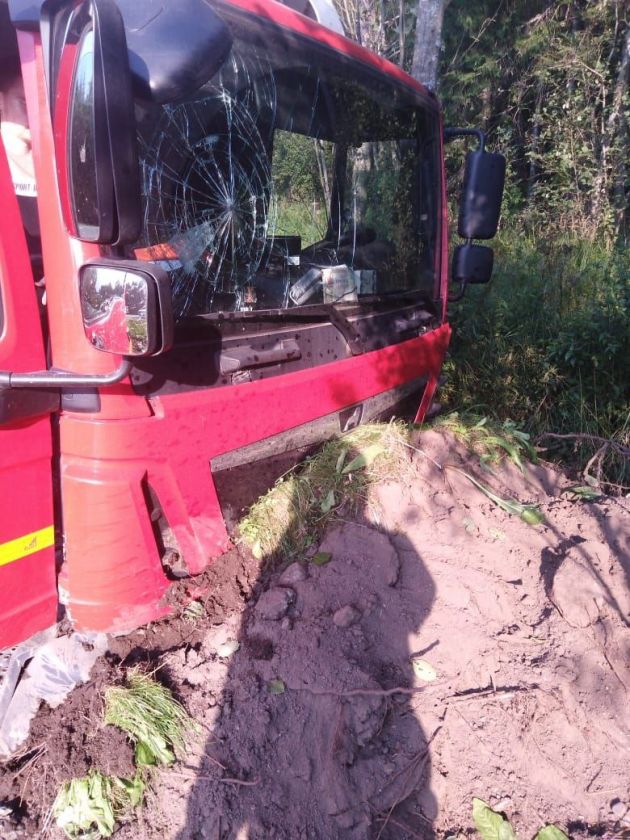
(283, 184)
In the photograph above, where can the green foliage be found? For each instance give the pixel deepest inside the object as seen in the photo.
(551, 832)
(276, 686)
(302, 173)
(547, 343)
(494, 826)
(293, 515)
(490, 824)
(545, 79)
(530, 514)
(88, 808)
(490, 439)
(149, 714)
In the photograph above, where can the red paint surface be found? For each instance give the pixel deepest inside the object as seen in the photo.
(290, 19)
(113, 571)
(28, 595)
(113, 576)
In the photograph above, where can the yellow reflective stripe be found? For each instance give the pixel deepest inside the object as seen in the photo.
(28, 544)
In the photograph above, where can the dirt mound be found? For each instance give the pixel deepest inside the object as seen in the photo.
(68, 741)
(434, 650)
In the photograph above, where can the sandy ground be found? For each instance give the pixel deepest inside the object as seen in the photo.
(322, 724)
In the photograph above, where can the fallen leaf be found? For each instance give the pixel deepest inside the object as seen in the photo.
(257, 550)
(328, 502)
(321, 558)
(489, 824)
(532, 515)
(364, 459)
(551, 832)
(193, 611)
(424, 670)
(583, 492)
(276, 687)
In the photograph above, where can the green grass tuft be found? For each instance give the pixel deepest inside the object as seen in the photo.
(492, 440)
(333, 483)
(148, 713)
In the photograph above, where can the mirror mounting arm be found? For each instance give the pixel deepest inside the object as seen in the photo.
(453, 133)
(63, 379)
(463, 285)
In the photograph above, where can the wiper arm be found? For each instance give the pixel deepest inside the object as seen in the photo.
(345, 329)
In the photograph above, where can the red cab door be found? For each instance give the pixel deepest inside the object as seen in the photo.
(28, 594)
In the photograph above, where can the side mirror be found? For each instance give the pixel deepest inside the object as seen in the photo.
(126, 307)
(94, 128)
(100, 52)
(174, 48)
(482, 193)
(472, 264)
(479, 210)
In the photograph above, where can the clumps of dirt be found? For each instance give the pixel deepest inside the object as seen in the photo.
(432, 650)
(65, 743)
(320, 726)
(221, 591)
(70, 740)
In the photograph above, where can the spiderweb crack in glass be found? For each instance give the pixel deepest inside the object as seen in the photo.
(208, 190)
(284, 163)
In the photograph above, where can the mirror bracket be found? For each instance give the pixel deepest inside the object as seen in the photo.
(454, 132)
(126, 306)
(463, 285)
(62, 379)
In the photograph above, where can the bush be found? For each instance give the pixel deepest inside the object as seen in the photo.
(547, 343)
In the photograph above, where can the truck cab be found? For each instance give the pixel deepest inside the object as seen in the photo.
(244, 245)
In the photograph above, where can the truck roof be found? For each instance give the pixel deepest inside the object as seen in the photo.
(285, 16)
(275, 12)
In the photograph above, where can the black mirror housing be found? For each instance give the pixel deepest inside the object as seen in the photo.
(174, 48)
(472, 264)
(94, 128)
(107, 51)
(482, 193)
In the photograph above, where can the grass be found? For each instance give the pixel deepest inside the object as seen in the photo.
(293, 515)
(151, 717)
(333, 484)
(300, 218)
(89, 808)
(489, 439)
(547, 346)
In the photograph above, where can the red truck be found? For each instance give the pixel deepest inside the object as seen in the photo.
(243, 244)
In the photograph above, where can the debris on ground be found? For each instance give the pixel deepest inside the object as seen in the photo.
(446, 651)
(44, 668)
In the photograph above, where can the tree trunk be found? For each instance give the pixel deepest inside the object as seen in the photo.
(618, 125)
(401, 33)
(428, 41)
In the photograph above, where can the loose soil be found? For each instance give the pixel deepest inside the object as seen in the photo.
(320, 727)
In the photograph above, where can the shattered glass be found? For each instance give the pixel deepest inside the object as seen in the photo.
(289, 181)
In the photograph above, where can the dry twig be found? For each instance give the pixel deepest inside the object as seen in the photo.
(223, 779)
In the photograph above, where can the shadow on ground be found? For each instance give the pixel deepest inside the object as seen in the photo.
(338, 751)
